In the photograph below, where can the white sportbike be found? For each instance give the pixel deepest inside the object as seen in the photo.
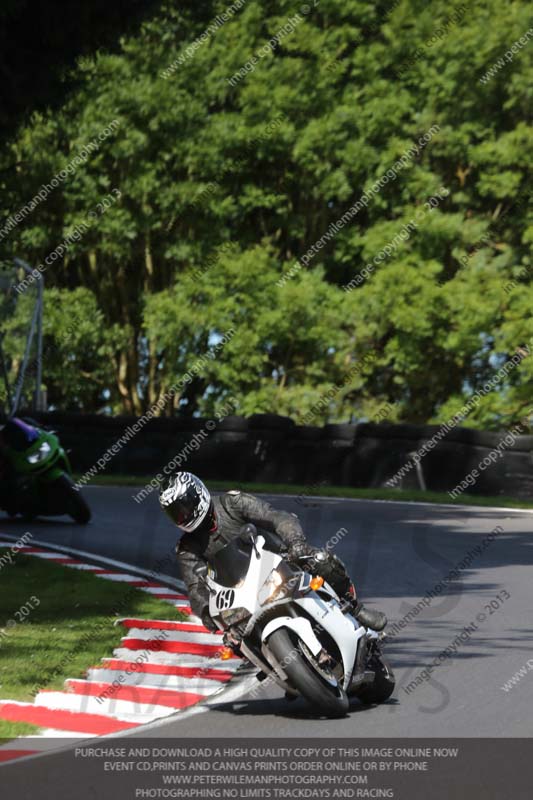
(292, 626)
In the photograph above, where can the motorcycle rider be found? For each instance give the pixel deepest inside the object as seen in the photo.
(210, 523)
(7, 480)
(14, 433)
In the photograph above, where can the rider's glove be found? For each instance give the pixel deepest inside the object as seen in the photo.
(208, 621)
(302, 550)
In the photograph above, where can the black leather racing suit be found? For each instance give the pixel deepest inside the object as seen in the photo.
(233, 511)
(8, 481)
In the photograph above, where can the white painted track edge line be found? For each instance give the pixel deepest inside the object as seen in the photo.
(454, 506)
(472, 507)
(120, 566)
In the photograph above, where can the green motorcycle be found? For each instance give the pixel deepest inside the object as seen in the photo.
(39, 476)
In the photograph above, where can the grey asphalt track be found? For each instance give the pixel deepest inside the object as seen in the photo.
(396, 553)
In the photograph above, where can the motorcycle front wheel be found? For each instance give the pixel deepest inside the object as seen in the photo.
(76, 505)
(322, 691)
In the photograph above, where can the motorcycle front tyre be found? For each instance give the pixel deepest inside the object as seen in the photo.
(76, 505)
(326, 700)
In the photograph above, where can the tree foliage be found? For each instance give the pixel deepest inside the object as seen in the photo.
(226, 185)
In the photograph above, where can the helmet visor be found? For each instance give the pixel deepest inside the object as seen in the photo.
(185, 509)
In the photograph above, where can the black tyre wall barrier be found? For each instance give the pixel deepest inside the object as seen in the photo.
(303, 461)
(272, 449)
(268, 437)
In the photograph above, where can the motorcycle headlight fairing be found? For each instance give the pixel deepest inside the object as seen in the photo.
(41, 454)
(280, 583)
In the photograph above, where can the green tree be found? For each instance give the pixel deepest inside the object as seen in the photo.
(79, 350)
(264, 164)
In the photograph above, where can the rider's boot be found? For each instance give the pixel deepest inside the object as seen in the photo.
(375, 620)
(371, 619)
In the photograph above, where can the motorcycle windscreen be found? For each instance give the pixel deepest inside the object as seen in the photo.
(19, 435)
(231, 562)
(273, 541)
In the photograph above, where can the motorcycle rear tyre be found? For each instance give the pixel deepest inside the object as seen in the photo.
(383, 685)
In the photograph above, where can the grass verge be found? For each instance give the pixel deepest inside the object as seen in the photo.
(70, 628)
(404, 496)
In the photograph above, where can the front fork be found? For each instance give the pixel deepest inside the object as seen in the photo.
(230, 640)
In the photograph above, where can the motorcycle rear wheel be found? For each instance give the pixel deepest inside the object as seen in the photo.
(327, 698)
(383, 685)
